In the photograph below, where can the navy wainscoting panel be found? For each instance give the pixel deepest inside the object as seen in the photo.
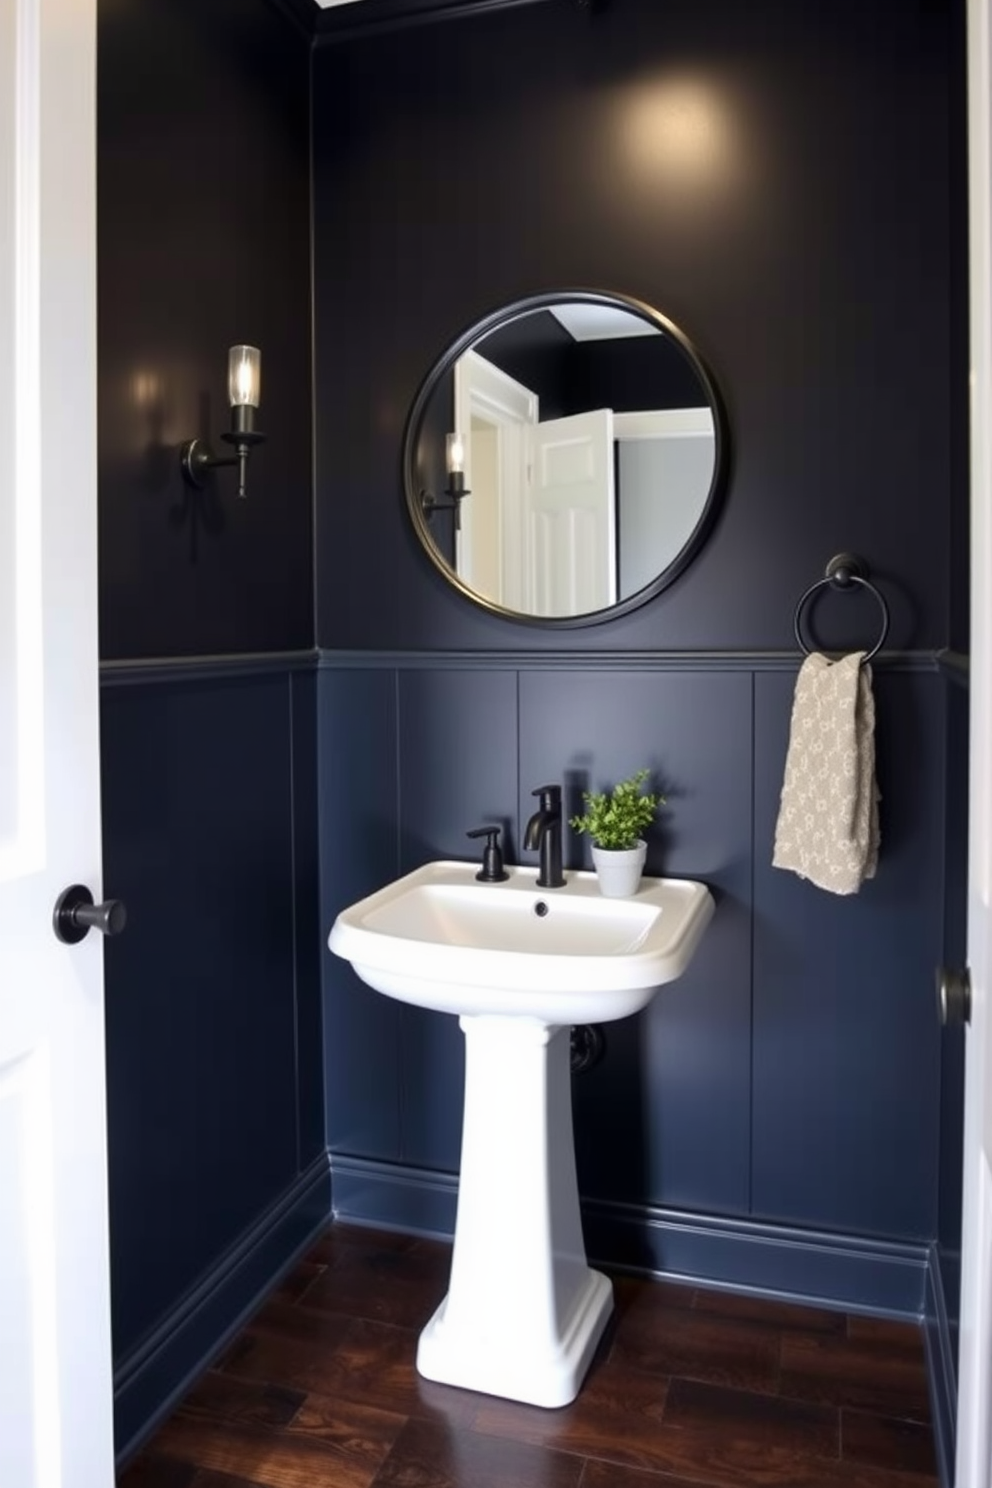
(685, 1131)
(458, 769)
(664, 1119)
(846, 1046)
(218, 1170)
(201, 1035)
(359, 853)
(458, 761)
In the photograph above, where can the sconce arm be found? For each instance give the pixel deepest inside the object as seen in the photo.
(455, 491)
(432, 503)
(196, 456)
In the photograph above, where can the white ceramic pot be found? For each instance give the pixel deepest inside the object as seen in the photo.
(620, 871)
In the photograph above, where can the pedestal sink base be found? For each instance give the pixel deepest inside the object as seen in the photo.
(514, 1371)
(523, 1312)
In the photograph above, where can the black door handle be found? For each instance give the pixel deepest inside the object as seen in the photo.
(76, 914)
(954, 995)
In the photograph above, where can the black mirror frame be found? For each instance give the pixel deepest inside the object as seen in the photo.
(445, 364)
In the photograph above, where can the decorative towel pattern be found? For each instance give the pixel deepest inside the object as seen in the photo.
(828, 817)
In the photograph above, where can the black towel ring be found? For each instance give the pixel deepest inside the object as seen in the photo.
(842, 571)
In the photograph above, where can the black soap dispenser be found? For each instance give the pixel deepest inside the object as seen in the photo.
(492, 870)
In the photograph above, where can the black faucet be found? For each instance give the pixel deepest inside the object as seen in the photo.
(544, 833)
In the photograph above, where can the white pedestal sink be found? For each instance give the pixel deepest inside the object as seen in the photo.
(519, 965)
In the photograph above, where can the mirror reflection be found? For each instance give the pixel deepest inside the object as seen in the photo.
(562, 459)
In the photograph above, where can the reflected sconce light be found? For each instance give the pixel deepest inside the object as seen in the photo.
(456, 490)
(244, 382)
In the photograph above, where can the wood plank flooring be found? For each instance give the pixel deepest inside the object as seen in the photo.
(689, 1387)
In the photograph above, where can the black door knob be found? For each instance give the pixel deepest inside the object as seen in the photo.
(954, 995)
(76, 914)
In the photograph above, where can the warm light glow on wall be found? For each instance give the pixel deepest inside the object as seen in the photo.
(147, 390)
(680, 129)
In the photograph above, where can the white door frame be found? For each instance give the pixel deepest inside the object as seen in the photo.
(974, 1424)
(56, 1428)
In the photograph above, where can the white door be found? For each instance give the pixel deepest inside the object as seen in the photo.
(491, 413)
(55, 1373)
(974, 1433)
(571, 522)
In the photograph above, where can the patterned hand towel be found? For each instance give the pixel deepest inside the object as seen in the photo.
(828, 817)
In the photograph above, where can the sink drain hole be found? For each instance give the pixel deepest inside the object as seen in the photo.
(540, 909)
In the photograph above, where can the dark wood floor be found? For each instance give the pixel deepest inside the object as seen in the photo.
(688, 1387)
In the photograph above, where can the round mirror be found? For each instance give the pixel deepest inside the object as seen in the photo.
(564, 458)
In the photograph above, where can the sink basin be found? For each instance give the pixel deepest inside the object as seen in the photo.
(519, 965)
(441, 939)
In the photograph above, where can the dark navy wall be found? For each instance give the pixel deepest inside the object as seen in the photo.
(203, 242)
(779, 181)
(218, 1171)
(774, 177)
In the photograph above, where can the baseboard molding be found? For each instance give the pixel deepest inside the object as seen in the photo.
(392, 1197)
(153, 1376)
(860, 1275)
(941, 1369)
(798, 1265)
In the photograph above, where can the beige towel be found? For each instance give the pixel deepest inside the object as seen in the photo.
(828, 818)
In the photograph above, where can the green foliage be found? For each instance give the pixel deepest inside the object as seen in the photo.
(617, 819)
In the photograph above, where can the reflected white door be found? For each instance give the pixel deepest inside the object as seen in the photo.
(571, 521)
(492, 411)
(974, 1434)
(55, 1371)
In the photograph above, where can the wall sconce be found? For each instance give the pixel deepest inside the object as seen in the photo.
(456, 489)
(244, 382)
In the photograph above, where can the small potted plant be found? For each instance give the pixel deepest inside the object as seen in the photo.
(615, 820)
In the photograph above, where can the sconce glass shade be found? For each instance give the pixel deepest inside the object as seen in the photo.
(244, 384)
(455, 454)
(244, 376)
